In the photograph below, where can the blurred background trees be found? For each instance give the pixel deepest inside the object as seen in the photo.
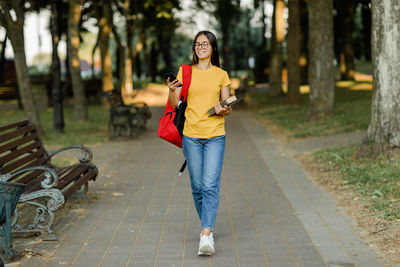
(115, 44)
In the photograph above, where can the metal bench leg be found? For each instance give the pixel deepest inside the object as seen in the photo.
(9, 195)
(81, 193)
(5, 229)
(44, 214)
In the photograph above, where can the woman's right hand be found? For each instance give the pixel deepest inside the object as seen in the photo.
(173, 84)
(175, 88)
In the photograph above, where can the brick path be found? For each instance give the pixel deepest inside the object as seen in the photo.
(141, 214)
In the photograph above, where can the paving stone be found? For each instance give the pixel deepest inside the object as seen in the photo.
(141, 214)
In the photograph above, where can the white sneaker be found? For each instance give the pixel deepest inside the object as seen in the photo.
(206, 245)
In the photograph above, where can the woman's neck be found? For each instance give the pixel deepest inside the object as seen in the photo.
(204, 64)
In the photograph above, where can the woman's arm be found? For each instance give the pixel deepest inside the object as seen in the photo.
(174, 92)
(225, 110)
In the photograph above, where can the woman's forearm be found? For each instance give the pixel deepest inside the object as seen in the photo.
(173, 98)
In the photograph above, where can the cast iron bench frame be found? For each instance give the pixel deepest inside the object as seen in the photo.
(23, 159)
(125, 120)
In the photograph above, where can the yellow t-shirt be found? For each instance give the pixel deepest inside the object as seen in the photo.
(204, 93)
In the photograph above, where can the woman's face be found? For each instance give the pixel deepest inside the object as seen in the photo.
(202, 47)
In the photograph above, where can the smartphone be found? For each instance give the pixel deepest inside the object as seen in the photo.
(169, 75)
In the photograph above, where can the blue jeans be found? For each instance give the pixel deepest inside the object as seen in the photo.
(204, 158)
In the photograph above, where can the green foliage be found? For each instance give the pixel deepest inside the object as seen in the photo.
(91, 132)
(181, 52)
(352, 113)
(377, 179)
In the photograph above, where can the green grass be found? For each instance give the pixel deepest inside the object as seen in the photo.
(352, 113)
(376, 179)
(90, 132)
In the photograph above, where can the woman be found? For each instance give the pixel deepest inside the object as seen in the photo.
(203, 141)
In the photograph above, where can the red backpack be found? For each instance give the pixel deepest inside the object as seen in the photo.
(171, 124)
(173, 121)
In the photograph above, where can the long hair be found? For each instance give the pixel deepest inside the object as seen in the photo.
(214, 46)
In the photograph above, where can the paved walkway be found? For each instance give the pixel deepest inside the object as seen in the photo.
(141, 214)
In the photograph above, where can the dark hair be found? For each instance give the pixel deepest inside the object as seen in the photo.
(214, 46)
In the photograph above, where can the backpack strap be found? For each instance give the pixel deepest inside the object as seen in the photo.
(182, 168)
(186, 79)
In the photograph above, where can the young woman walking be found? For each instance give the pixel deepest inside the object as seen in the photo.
(203, 141)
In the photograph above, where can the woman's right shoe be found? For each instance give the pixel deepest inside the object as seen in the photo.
(206, 245)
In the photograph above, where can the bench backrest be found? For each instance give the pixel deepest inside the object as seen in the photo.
(21, 147)
(114, 97)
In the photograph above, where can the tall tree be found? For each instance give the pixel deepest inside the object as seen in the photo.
(12, 19)
(276, 63)
(3, 58)
(74, 17)
(120, 54)
(124, 42)
(321, 71)
(344, 30)
(128, 7)
(261, 4)
(55, 22)
(157, 25)
(384, 128)
(366, 27)
(104, 22)
(304, 58)
(225, 12)
(294, 51)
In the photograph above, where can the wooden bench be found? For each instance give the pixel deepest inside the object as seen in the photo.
(23, 159)
(125, 120)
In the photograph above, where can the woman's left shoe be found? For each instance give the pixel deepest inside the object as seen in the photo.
(206, 245)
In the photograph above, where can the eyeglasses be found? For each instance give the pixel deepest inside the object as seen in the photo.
(203, 45)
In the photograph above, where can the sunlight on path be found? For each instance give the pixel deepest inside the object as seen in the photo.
(155, 94)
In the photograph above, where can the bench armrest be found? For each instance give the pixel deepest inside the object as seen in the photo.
(85, 157)
(142, 108)
(50, 180)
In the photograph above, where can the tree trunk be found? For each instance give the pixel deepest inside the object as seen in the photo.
(129, 48)
(56, 92)
(80, 106)
(384, 128)
(15, 32)
(264, 25)
(225, 12)
(225, 46)
(128, 74)
(321, 71)
(366, 22)
(3, 58)
(146, 56)
(278, 36)
(120, 54)
(165, 49)
(304, 57)
(24, 84)
(294, 52)
(96, 45)
(105, 29)
(154, 61)
(345, 20)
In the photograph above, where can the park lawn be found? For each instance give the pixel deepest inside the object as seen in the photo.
(352, 103)
(376, 179)
(91, 132)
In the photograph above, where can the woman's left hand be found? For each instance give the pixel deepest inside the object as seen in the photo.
(222, 110)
